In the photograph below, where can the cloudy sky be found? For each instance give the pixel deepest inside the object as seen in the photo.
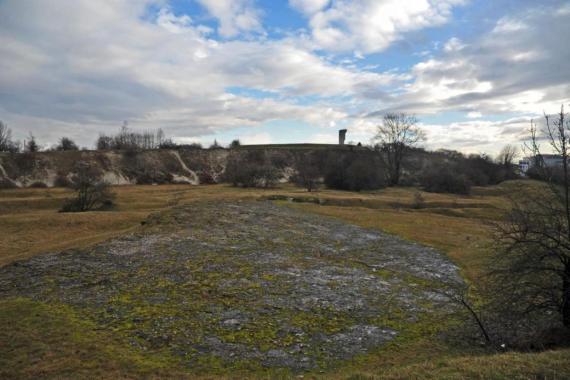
(282, 71)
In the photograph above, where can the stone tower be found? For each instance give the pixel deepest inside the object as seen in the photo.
(341, 136)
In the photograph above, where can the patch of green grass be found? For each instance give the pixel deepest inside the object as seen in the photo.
(53, 341)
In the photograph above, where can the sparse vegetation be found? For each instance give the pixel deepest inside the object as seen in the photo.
(91, 192)
(533, 263)
(463, 234)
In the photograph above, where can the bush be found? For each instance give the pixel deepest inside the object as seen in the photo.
(251, 169)
(206, 177)
(38, 185)
(61, 181)
(444, 179)
(5, 183)
(91, 193)
(481, 170)
(150, 177)
(66, 144)
(355, 172)
(418, 201)
(307, 170)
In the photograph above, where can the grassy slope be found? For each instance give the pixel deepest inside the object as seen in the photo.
(49, 341)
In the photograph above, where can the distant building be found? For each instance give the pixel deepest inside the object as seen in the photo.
(549, 161)
(341, 136)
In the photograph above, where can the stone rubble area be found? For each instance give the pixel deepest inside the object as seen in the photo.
(243, 282)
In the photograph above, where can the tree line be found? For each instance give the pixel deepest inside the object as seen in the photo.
(125, 139)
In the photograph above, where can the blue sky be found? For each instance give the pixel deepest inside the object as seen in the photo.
(474, 72)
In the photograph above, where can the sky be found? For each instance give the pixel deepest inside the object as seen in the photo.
(474, 72)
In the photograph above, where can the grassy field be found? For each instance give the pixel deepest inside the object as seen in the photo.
(50, 341)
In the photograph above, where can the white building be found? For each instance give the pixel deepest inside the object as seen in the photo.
(550, 160)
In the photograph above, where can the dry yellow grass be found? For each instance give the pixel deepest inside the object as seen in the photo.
(30, 224)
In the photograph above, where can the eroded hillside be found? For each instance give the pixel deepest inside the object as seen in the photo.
(116, 167)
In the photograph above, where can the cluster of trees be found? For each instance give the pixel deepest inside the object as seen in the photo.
(12, 146)
(127, 139)
(454, 172)
(30, 145)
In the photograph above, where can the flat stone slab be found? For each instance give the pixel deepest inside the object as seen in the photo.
(243, 282)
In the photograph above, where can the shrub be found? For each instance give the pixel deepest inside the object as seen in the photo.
(354, 171)
(206, 177)
(5, 183)
(38, 185)
(61, 181)
(307, 172)
(66, 144)
(90, 191)
(251, 169)
(444, 179)
(418, 201)
(150, 177)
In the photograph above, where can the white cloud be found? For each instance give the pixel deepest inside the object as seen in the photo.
(309, 7)
(173, 23)
(454, 44)
(477, 136)
(509, 25)
(77, 68)
(373, 25)
(109, 63)
(234, 16)
(501, 72)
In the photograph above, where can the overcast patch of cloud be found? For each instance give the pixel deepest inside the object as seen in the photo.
(74, 63)
(520, 66)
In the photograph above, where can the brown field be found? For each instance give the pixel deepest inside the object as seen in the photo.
(44, 341)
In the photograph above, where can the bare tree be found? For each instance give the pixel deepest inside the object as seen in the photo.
(397, 133)
(506, 159)
(307, 172)
(507, 156)
(90, 191)
(5, 138)
(533, 262)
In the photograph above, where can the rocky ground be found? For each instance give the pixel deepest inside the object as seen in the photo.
(244, 284)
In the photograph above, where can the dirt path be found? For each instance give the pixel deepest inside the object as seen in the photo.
(245, 282)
